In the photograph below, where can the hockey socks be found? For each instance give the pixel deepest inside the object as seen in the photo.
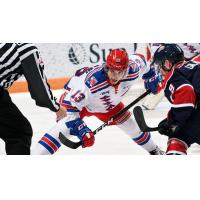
(47, 145)
(144, 140)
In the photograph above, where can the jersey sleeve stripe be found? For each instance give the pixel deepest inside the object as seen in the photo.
(184, 85)
(133, 75)
(99, 89)
(69, 107)
(99, 85)
(130, 79)
(183, 105)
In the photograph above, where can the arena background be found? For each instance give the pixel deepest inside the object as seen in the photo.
(63, 59)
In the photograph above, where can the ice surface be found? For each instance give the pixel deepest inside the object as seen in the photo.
(109, 141)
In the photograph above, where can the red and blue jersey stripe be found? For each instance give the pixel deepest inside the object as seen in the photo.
(69, 107)
(99, 87)
(67, 104)
(131, 77)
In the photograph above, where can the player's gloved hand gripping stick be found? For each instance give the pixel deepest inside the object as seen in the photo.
(75, 145)
(164, 128)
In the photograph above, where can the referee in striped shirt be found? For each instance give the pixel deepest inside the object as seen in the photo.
(17, 59)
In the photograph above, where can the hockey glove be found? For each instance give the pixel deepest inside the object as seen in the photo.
(166, 128)
(151, 80)
(79, 128)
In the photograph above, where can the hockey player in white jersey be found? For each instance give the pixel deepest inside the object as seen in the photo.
(98, 91)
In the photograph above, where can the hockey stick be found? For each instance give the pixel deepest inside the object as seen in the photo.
(139, 117)
(75, 145)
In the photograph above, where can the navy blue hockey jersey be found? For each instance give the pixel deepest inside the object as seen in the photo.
(182, 89)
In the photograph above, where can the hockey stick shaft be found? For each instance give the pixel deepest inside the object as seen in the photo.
(75, 145)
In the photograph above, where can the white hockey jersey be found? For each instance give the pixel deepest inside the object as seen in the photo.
(90, 88)
(190, 49)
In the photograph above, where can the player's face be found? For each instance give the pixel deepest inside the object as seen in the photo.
(163, 69)
(115, 76)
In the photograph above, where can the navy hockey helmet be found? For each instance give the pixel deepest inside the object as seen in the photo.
(171, 52)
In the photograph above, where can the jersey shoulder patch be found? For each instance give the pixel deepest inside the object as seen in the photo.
(135, 63)
(96, 79)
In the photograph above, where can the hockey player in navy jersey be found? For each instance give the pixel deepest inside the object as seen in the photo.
(98, 91)
(191, 52)
(181, 86)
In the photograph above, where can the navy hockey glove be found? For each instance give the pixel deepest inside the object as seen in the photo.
(79, 128)
(151, 80)
(166, 128)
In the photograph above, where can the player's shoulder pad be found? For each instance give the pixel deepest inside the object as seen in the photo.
(136, 61)
(140, 58)
(95, 77)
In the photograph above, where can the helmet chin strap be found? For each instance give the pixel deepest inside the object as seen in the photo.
(166, 70)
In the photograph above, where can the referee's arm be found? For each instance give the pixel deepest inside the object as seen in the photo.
(38, 86)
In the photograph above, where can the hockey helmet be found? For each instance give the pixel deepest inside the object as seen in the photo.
(117, 60)
(171, 52)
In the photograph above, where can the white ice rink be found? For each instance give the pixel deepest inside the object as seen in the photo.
(109, 141)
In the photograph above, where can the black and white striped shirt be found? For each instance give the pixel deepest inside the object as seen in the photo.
(17, 59)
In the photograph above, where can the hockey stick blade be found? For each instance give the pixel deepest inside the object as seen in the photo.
(69, 143)
(139, 117)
